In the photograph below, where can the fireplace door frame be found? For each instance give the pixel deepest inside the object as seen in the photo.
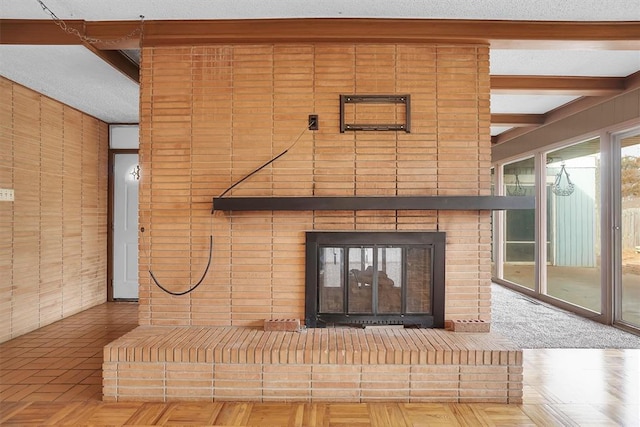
(431, 239)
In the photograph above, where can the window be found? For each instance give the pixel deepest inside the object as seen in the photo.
(519, 225)
(573, 224)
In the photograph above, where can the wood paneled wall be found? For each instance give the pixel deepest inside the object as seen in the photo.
(53, 236)
(211, 114)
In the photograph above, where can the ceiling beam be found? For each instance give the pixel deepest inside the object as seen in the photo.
(47, 32)
(112, 34)
(38, 32)
(118, 61)
(557, 85)
(631, 82)
(517, 120)
(499, 34)
(559, 113)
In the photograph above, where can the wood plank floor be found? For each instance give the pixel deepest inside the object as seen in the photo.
(52, 376)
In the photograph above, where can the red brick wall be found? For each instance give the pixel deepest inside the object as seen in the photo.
(211, 114)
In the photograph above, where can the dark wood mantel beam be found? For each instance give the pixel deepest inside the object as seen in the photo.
(372, 203)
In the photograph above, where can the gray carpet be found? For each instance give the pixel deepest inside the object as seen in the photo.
(530, 323)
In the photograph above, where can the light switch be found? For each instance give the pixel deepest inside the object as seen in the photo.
(6, 195)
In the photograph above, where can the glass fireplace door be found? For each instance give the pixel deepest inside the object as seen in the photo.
(331, 280)
(375, 278)
(390, 282)
(361, 281)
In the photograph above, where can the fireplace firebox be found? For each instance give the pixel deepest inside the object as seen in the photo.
(375, 278)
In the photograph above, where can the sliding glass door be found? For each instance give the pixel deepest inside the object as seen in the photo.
(519, 235)
(627, 295)
(580, 248)
(573, 224)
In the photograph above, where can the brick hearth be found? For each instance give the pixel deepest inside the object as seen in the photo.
(155, 363)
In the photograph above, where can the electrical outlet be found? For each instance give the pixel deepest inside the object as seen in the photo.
(6, 195)
(313, 122)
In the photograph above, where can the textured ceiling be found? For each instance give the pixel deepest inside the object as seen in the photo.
(78, 78)
(599, 63)
(74, 76)
(543, 10)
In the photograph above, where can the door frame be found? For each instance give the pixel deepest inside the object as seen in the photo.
(615, 291)
(110, 196)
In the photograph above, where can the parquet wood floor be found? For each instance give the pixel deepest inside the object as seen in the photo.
(52, 376)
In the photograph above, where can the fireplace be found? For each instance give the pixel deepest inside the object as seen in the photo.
(359, 180)
(375, 278)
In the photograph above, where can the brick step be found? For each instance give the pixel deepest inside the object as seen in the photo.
(238, 363)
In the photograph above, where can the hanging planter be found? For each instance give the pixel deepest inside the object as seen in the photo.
(518, 189)
(557, 188)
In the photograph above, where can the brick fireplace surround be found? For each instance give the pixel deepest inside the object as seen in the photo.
(211, 114)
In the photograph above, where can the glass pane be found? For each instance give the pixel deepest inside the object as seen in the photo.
(331, 280)
(630, 230)
(389, 280)
(519, 235)
(360, 280)
(573, 224)
(418, 280)
(494, 271)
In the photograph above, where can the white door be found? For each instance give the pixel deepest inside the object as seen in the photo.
(126, 176)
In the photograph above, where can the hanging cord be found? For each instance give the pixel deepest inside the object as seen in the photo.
(192, 288)
(206, 270)
(255, 171)
(91, 40)
(199, 282)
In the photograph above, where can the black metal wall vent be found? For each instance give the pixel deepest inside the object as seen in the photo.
(376, 99)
